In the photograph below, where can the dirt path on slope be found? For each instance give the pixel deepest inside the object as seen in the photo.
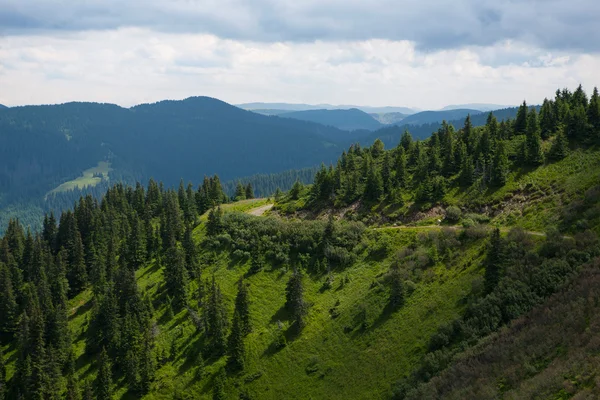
(259, 211)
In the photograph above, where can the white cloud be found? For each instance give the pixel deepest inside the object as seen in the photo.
(132, 65)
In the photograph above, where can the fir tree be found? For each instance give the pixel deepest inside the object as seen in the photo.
(242, 306)
(240, 192)
(594, 114)
(103, 383)
(249, 191)
(493, 262)
(176, 277)
(219, 385)
(235, 347)
(500, 166)
(547, 120)
(296, 190)
(560, 147)
(216, 319)
(294, 299)
(467, 171)
(73, 392)
(396, 288)
(533, 153)
(406, 141)
(386, 172)
(400, 167)
(520, 126)
(8, 303)
(214, 225)
(3, 388)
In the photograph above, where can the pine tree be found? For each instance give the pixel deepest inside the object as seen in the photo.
(534, 154)
(547, 120)
(594, 114)
(240, 192)
(560, 147)
(235, 347)
(73, 392)
(8, 303)
(214, 225)
(216, 319)
(493, 261)
(396, 288)
(176, 277)
(249, 191)
(500, 166)
(294, 299)
(103, 383)
(219, 385)
(242, 305)
(3, 388)
(520, 126)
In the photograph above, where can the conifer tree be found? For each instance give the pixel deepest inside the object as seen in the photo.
(214, 224)
(216, 319)
(594, 114)
(520, 126)
(400, 167)
(386, 173)
(560, 147)
(468, 135)
(73, 392)
(8, 303)
(396, 288)
(39, 380)
(240, 192)
(493, 262)
(533, 153)
(103, 383)
(3, 388)
(294, 299)
(547, 120)
(176, 277)
(500, 167)
(406, 141)
(374, 184)
(242, 306)
(235, 346)
(249, 191)
(219, 385)
(190, 251)
(467, 171)
(296, 190)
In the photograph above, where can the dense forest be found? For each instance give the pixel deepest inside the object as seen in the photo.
(179, 293)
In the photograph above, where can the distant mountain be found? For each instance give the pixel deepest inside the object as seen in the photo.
(270, 111)
(349, 120)
(2, 106)
(390, 118)
(427, 117)
(475, 106)
(260, 107)
(45, 146)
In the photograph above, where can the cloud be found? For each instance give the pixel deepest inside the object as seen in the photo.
(129, 66)
(431, 25)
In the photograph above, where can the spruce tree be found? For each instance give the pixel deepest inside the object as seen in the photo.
(73, 392)
(240, 192)
(386, 173)
(214, 225)
(3, 388)
(242, 306)
(249, 191)
(294, 299)
(500, 166)
(520, 126)
(396, 288)
(467, 171)
(8, 303)
(219, 385)
(594, 114)
(493, 262)
(103, 383)
(39, 380)
(216, 319)
(547, 120)
(406, 141)
(235, 346)
(296, 190)
(534, 154)
(560, 147)
(176, 277)
(400, 167)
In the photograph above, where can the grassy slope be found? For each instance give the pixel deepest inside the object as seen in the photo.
(326, 360)
(86, 179)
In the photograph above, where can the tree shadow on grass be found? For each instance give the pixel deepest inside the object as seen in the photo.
(82, 309)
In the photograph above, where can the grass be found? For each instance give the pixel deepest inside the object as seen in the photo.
(332, 358)
(87, 179)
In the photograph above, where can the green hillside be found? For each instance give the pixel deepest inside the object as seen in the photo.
(442, 268)
(349, 120)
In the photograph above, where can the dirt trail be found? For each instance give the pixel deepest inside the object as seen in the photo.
(259, 211)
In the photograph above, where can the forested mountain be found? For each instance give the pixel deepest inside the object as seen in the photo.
(427, 117)
(306, 107)
(461, 266)
(475, 106)
(389, 118)
(348, 120)
(3, 106)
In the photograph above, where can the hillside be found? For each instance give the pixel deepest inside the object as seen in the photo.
(306, 107)
(425, 279)
(389, 118)
(483, 107)
(349, 120)
(428, 117)
(45, 147)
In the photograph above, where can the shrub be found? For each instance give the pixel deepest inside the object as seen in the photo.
(453, 214)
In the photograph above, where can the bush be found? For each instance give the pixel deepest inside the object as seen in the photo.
(453, 214)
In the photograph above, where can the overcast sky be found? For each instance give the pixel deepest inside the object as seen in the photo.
(414, 53)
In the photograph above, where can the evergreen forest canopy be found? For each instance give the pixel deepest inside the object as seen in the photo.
(160, 293)
(46, 146)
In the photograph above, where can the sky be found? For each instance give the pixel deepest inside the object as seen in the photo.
(414, 53)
